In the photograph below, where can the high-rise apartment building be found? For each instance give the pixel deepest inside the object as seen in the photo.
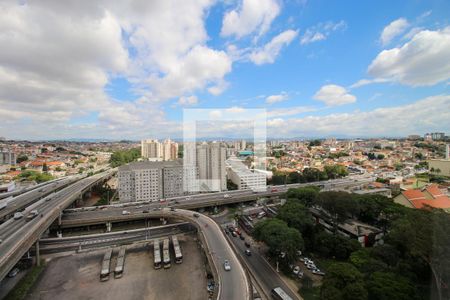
(153, 150)
(210, 161)
(7, 157)
(152, 181)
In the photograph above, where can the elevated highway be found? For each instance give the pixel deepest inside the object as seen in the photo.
(18, 235)
(141, 210)
(29, 197)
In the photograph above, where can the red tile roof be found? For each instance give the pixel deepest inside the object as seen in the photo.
(440, 202)
(413, 195)
(434, 190)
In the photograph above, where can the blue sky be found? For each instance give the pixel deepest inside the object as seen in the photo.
(320, 68)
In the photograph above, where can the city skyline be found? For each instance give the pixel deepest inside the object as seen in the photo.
(319, 69)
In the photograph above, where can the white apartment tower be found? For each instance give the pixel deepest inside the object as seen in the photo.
(210, 160)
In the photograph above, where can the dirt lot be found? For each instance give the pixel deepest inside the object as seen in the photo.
(78, 277)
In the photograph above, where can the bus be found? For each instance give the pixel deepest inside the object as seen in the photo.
(177, 250)
(104, 274)
(118, 271)
(279, 294)
(156, 254)
(166, 254)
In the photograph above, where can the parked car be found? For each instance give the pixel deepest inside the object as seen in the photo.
(296, 270)
(247, 244)
(13, 272)
(318, 272)
(226, 265)
(233, 234)
(242, 237)
(311, 267)
(248, 252)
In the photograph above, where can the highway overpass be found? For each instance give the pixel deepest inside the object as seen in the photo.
(17, 236)
(138, 210)
(27, 198)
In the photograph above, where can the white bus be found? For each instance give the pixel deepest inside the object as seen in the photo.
(166, 254)
(279, 294)
(104, 274)
(177, 250)
(118, 271)
(157, 254)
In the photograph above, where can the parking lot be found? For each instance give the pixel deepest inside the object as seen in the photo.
(77, 276)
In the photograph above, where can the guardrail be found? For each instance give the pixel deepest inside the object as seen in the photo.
(8, 260)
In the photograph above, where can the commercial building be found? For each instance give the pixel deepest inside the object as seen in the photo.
(153, 150)
(439, 166)
(210, 161)
(7, 157)
(243, 177)
(153, 181)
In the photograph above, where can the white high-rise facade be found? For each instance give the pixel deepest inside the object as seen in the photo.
(210, 161)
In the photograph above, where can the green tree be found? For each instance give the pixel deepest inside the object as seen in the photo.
(386, 286)
(121, 157)
(306, 195)
(22, 158)
(343, 281)
(279, 237)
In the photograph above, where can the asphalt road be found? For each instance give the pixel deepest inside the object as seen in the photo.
(23, 200)
(98, 215)
(265, 275)
(233, 284)
(18, 235)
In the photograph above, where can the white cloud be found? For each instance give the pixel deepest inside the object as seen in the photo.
(393, 30)
(250, 16)
(190, 100)
(421, 116)
(289, 111)
(57, 59)
(422, 61)
(321, 31)
(333, 95)
(271, 50)
(277, 98)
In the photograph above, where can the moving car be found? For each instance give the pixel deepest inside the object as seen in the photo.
(247, 244)
(196, 215)
(248, 252)
(125, 212)
(18, 215)
(226, 265)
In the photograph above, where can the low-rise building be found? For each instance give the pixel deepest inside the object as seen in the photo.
(244, 178)
(430, 196)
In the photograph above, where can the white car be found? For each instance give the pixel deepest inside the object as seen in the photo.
(226, 265)
(125, 212)
(296, 270)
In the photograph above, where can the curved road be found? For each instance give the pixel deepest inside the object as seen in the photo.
(233, 284)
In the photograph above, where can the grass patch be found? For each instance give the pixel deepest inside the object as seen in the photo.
(310, 293)
(20, 291)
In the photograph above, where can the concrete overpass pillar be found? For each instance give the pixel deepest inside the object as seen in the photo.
(38, 256)
(108, 226)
